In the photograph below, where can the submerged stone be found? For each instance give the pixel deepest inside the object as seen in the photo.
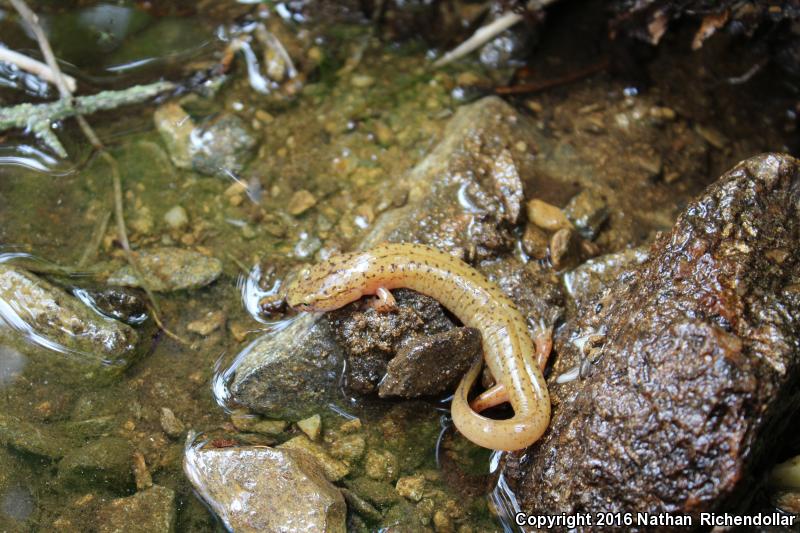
(56, 333)
(266, 489)
(169, 269)
(151, 510)
(106, 461)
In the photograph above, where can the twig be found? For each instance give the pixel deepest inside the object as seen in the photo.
(66, 99)
(486, 33)
(28, 64)
(536, 86)
(38, 117)
(97, 238)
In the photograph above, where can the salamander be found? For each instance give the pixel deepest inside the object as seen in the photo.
(508, 348)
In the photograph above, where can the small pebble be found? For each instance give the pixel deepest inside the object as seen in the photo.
(565, 249)
(362, 80)
(535, 241)
(547, 216)
(311, 426)
(300, 202)
(411, 487)
(208, 324)
(173, 427)
(176, 218)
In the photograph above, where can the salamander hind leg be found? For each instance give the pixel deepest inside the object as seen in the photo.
(489, 398)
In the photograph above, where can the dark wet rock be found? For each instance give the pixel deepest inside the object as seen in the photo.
(369, 338)
(303, 361)
(587, 211)
(106, 461)
(169, 269)
(431, 365)
(587, 281)
(534, 289)
(565, 249)
(56, 333)
(699, 369)
(151, 510)
(467, 193)
(120, 303)
(266, 489)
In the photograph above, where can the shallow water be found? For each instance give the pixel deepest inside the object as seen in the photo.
(370, 110)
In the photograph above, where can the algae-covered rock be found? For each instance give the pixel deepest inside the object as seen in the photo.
(149, 511)
(266, 489)
(31, 438)
(169, 269)
(102, 462)
(56, 333)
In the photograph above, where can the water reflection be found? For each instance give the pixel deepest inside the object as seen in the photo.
(12, 363)
(33, 158)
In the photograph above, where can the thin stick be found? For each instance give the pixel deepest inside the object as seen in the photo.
(536, 86)
(97, 238)
(28, 64)
(44, 45)
(33, 21)
(486, 33)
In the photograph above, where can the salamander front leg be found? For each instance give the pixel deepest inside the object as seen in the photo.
(384, 302)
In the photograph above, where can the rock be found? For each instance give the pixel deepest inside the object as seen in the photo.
(698, 371)
(535, 241)
(349, 448)
(411, 487)
(300, 202)
(431, 365)
(57, 334)
(255, 424)
(266, 489)
(588, 281)
(334, 469)
(151, 510)
(381, 465)
(369, 338)
(175, 127)
(176, 217)
(311, 426)
(587, 210)
(208, 324)
(106, 461)
(303, 358)
(169, 269)
(223, 145)
(119, 303)
(170, 423)
(565, 249)
(547, 216)
(31, 438)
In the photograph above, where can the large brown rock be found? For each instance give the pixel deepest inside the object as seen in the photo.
(697, 377)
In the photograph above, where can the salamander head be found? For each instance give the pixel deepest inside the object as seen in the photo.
(322, 287)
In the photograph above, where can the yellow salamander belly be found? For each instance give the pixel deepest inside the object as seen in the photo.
(507, 347)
